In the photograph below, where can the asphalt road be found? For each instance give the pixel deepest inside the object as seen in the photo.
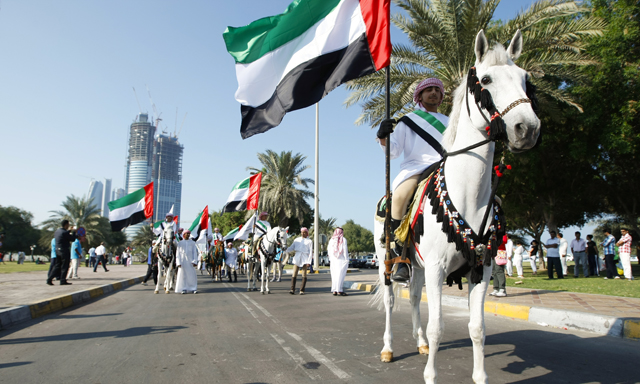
(227, 335)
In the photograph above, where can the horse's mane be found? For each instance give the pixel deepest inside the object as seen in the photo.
(496, 56)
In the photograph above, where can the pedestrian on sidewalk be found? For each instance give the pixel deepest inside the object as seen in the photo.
(499, 279)
(517, 258)
(339, 261)
(124, 257)
(592, 256)
(553, 256)
(152, 268)
(303, 248)
(86, 260)
(509, 249)
(608, 244)
(563, 247)
(76, 256)
(533, 257)
(624, 251)
(101, 252)
(579, 248)
(92, 257)
(64, 236)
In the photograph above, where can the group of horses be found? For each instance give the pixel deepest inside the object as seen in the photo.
(470, 141)
(264, 255)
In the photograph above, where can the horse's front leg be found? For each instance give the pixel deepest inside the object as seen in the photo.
(434, 275)
(159, 276)
(477, 294)
(386, 355)
(263, 277)
(415, 296)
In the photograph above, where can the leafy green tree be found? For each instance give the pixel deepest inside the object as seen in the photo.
(283, 191)
(359, 239)
(613, 113)
(143, 239)
(81, 213)
(19, 233)
(442, 37)
(326, 227)
(228, 221)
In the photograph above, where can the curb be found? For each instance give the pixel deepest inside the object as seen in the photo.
(627, 328)
(21, 313)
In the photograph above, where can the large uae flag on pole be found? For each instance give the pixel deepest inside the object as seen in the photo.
(131, 209)
(201, 225)
(244, 195)
(292, 60)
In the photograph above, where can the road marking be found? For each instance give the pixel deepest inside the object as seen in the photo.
(321, 358)
(251, 311)
(297, 358)
(266, 313)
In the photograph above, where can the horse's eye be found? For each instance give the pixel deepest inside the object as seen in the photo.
(486, 80)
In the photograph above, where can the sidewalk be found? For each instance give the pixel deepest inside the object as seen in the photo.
(25, 295)
(605, 315)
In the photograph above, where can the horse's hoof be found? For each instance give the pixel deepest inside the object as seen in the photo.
(248, 289)
(423, 350)
(156, 292)
(263, 292)
(167, 292)
(268, 292)
(386, 357)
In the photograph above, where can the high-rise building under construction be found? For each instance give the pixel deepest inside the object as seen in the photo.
(167, 175)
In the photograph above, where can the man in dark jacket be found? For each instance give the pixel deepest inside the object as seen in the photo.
(63, 253)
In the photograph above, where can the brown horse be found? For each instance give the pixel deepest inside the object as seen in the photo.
(215, 260)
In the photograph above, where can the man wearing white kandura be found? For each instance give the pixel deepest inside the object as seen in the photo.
(339, 256)
(517, 258)
(187, 260)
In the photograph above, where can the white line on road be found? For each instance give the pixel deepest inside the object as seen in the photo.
(266, 313)
(251, 311)
(297, 358)
(321, 358)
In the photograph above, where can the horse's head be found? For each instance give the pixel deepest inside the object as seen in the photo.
(283, 234)
(507, 95)
(168, 233)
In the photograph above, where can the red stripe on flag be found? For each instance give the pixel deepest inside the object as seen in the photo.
(148, 200)
(376, 17)
(204, 219)
(254, 191)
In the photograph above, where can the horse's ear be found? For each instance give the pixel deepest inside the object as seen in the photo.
(482, 46)
(286, 229)
(515, 47)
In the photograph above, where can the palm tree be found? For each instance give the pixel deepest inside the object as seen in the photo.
(280, 192)
(325, 227)
(143, 238)
(442, 35)
(81, 213)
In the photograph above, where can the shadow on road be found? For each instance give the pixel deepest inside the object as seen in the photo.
(16, 364)
(130, 332)
(87, 316)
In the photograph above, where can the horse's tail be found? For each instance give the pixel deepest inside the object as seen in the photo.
(377, 297)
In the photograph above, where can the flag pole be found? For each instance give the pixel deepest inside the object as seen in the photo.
(317, 202)
(387, 171)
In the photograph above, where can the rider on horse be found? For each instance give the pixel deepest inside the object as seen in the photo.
(168, 221)
(419, 153)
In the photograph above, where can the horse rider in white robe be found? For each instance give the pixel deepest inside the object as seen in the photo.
(168, 222)
(418, 153)
(187, 260)
(303, 248)
(339, 261)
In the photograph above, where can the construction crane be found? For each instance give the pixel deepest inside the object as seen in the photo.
(181, 125)
(155, 110)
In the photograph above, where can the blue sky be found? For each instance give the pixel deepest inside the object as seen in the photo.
(66, 103)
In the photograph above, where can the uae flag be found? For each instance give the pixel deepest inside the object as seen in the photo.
(201, 225)
(232, 233)
(244, 195)
(131, 209)
(292, 60)
(157, 228)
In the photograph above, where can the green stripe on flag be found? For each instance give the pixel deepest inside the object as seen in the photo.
(249, 43)
(431, 120)
(244, 184)
(129, 199)
(157, 224)
(196, 222)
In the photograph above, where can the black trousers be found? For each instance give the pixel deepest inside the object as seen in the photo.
(554, 262)
(102, 260)
(51, 266)
(151, 271)
(612, 271)
(593, 266)
(61, 267)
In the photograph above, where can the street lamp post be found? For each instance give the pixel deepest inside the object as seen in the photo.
(32, 248)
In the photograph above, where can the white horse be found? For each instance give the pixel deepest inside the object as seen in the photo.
(252, 272)
(276, 237)
(167, 258)
(468, 169)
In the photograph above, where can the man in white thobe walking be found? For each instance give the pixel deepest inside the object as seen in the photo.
(303, 248)
(186, 260)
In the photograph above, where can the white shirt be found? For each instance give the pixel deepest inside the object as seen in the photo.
(509, 248)
(303, 249)
(418, 154)
(562, 248)
(100, 251)
(92, 252)
(553, 252)
(231, 257)
(519, 251)
(187, 253)
(578, 245)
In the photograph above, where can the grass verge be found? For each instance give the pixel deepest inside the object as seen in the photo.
(12, 266)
